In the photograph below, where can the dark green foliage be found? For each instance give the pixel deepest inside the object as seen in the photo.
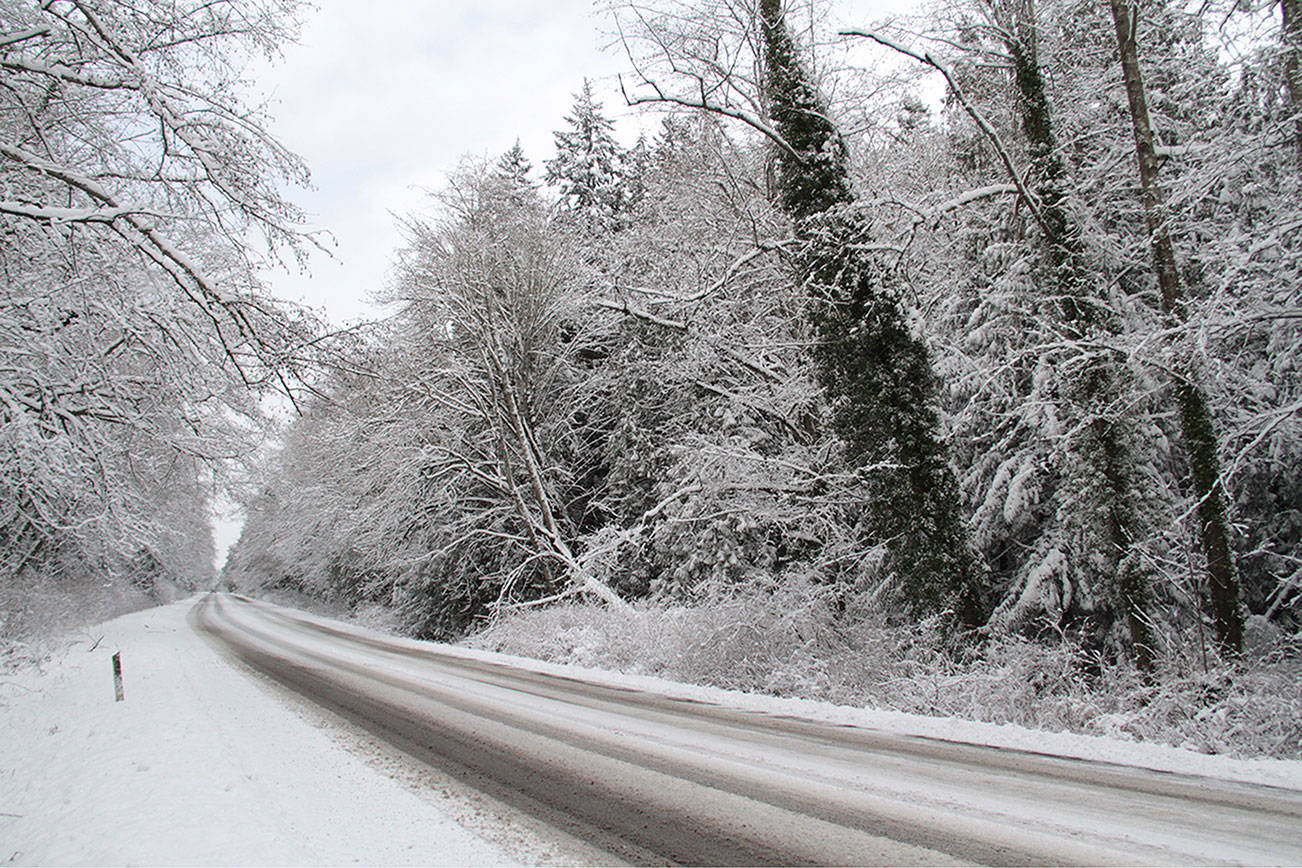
(1105, 467)
(883, 390)
(813, 179)
(1213, 522)
(877, 374)
(1062, 242)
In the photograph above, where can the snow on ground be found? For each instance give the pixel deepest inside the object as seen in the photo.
(205, 764)
(1158, 757)
(201, 764)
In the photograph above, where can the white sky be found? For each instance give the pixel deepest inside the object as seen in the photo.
(384, 98)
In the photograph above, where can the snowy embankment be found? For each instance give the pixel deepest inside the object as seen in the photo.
(201, 764)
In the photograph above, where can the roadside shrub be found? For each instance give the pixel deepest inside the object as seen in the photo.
(788, 641)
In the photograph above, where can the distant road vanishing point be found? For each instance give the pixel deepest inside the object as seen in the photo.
(651, 779)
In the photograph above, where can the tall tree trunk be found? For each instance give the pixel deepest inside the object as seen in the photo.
(1107, 450)
(1291, 31)
(1195, 418)
(877, 374)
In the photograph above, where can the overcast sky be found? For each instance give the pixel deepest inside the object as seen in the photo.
(383, 99)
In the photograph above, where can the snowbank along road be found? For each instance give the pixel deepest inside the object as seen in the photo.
(653, 779)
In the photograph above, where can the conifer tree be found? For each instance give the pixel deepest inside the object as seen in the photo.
(589, 167)
(637, 161)
(514, 167)
(877, 374)
(1105, 465)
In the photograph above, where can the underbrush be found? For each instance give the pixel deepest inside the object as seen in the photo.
(787, 643)
(36, 617)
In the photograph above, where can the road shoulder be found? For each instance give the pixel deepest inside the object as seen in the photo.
(200, 764)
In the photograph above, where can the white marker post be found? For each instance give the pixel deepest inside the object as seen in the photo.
(117, 676)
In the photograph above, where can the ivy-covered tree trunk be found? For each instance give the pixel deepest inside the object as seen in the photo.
(877, 374)
(1195, 418)
(1291, 32)
(1106, 447)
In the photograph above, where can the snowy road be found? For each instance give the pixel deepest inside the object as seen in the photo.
(649, 778)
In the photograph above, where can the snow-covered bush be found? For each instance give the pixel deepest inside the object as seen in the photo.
(37, 614)
(786, 642)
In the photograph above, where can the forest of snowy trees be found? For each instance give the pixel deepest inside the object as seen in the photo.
(970, 333)
(134, 340)
(1027, 358)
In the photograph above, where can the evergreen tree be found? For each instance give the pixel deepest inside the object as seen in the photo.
(673, 135)
(637, 162)
(1103, 466)
(876, 372)
(514, 167)
(590, 168)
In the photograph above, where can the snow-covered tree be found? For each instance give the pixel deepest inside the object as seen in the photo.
(514, 167)
(132, 182)
(1196, 422)
(877, 372)
(734, 390)
(595, 177)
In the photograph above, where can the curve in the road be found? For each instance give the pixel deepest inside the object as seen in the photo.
(653, 779)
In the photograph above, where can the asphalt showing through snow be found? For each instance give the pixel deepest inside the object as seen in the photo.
(651, 779)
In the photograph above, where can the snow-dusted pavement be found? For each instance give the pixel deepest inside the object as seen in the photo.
(201, 764)
(653, 777)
